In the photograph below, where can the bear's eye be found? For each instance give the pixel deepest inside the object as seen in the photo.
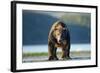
(57, 32)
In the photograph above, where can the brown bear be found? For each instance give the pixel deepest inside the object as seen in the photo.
(59, 37)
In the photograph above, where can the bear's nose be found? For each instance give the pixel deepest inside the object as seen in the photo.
(60, 41)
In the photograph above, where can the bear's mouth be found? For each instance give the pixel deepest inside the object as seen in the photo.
(60, 45)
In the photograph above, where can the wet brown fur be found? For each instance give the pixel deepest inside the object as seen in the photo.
(53, 44)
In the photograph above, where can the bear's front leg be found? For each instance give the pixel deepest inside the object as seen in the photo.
(65, 54)
(52, 52)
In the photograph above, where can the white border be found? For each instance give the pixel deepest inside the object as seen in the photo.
(37, 65)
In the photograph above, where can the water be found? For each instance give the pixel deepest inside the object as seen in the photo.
(78, 52)
(44, 48)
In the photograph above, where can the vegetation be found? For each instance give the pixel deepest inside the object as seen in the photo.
(58, 53)
(35, 54)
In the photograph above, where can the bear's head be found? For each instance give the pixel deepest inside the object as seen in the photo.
(59, 33)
